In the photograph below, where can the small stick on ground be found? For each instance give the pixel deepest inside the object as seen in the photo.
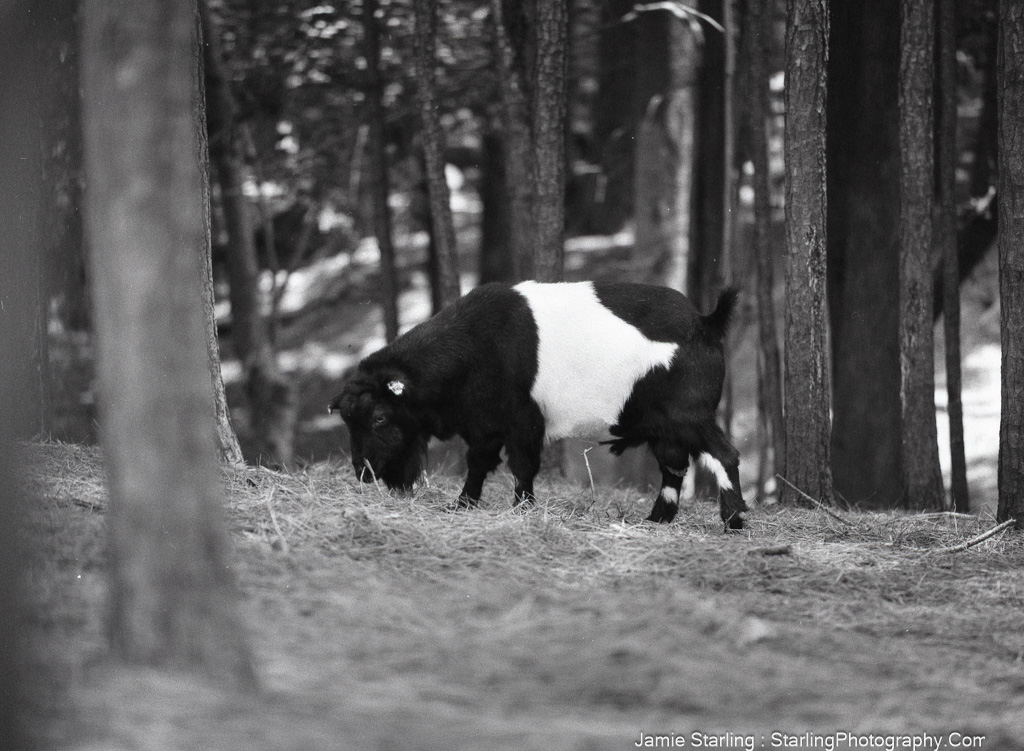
(273, 520)
(821, 506)
(593, 494)
(975, 540)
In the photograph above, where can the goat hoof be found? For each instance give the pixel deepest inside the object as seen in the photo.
(662, 513)
(734, 523)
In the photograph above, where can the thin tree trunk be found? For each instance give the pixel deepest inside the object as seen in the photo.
(708, 262)
(808, 460)
(515, 111)
(985, 156)
(681, 136)
(769, 385)
(945, 235)
(496, 263)
(227, 441)
(432, 136)
(922, 477)
(548, 126)
(172, 597)
(379, 171)
(1010, 78)
(272, 406)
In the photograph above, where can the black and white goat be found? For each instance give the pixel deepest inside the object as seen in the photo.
(514, 367)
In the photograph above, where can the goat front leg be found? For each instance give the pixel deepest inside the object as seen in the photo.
(481, 458)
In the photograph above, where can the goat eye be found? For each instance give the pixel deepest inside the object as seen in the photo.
(380, 419)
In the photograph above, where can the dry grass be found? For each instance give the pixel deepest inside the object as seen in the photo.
(382, 621)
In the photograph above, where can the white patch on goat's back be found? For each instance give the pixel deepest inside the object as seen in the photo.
(712, 465)
(588, 359)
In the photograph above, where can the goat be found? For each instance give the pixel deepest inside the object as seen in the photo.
(514, 367)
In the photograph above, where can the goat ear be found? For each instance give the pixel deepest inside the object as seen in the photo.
(396, 387)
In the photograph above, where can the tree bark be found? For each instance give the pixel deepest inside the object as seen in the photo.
(548, 126)
(769, 385)
(680, 122)
(922, 477)
(808, 461)
(227, 441)
(172, 596)
(945, 235)
(378, 159)
(1010, 78)
(432, 137)
(863, 259)
(271, 397)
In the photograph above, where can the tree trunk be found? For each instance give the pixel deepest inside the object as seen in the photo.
(707, 238)
(808, 464)
(665, 151)
(769, 385)
(23, 100)
(172, 599)
(1010, 77)
(530, 43)
(518, 150)
(22, 217)
(271, 397)
(496, 263)
(945, 235)
(548, 128)
(621, 101)
(379, 171)
(863, 259)
(922, 477)
(432, 136)
(227, 441)
(680, 121)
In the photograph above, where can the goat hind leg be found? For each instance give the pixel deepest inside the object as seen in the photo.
(666, 505)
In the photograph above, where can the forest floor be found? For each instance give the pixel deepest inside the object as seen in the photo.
(381, 621)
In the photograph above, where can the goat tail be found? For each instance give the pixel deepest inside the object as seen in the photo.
(717, 321)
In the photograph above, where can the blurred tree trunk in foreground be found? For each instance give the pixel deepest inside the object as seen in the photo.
(172, 597)
(272, 406)
(22, 220)
(945, 233)
(23, 102)
(808, 462)
(445, 249)
(1010, 82)
(922, 477)
(863, 257)
(378, 160)
(759, 32)
(227, 441)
